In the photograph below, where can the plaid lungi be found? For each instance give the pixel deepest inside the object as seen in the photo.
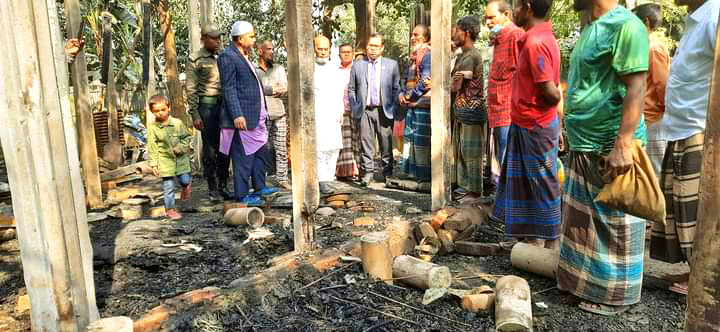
(656, 146)
(417, 144)
(680, 182)
(470, 150)
(347, 163)
(601, 249)
(528, 195)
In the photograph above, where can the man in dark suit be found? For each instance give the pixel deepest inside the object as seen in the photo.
(373, 92)
(244, 115)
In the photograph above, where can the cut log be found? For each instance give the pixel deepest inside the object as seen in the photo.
(447, 240)
(465, 217)
(232, 205)
(112, 324)
(421, 274)
(479, 248)
(7, 234)
(251, 216)
(401, 240)
(513, 308)
(542, 261)
(425, 230)
(376, 258)
(478, 302)
(439, 219)
(466, 235)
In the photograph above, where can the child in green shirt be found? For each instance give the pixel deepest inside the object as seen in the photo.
(169, 145)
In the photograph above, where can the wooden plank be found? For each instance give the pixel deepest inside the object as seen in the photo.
(122, 171)
(301, 112)
(83, 111)
(440, 103)
(703, 310)
(43, 168)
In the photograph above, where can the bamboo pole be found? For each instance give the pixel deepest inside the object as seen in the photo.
(43, 168)
(440, 102)
(703, 309)
(301, 112)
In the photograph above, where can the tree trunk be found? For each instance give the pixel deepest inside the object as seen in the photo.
(194, 11)
(440, 100)
(364, 22)
(703, 311)
(175, 88)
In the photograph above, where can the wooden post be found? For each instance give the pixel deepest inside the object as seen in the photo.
(42, 159)
(171, 67)
(703, 307)
(83, 111)
(112, 152)
(301, 111)
(440, 102)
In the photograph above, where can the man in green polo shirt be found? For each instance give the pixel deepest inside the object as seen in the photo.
(601, 252)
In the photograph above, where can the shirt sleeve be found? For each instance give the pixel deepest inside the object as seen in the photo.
(541, 67)
(630, 52)
(191, 89)
(152, 146)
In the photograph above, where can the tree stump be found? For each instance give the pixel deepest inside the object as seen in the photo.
(376, 257)
(542, 261)
(421, 274)
(513, 308)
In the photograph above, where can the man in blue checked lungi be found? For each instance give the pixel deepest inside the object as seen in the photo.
(528, 196)
(602, 249)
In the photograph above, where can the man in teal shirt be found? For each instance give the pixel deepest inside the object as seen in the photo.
(601, 253)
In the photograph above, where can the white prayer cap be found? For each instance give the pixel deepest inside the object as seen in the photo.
(240, 28)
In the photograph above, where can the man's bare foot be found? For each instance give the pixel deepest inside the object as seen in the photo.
(681, 287)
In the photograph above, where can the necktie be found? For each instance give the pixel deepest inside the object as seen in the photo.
(374, 100)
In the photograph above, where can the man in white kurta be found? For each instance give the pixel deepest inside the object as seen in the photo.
(329, 109)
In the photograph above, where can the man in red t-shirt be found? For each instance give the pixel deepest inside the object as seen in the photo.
(528, 196)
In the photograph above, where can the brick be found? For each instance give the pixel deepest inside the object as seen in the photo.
(337, 204)
(337, 198)
(364, 221)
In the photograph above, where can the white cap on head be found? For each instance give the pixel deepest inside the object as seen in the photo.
(240, 28)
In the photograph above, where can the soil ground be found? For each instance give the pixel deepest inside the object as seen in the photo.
(134, 273)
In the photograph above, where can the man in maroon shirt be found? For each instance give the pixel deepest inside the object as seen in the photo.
(505, 38)
(528, 196)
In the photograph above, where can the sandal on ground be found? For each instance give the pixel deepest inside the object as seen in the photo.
(679, 289)
(602, 309)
